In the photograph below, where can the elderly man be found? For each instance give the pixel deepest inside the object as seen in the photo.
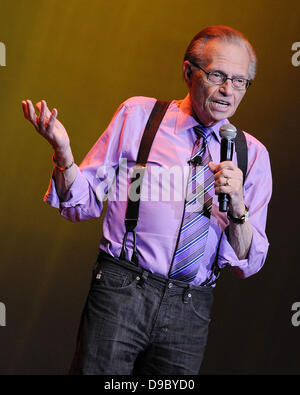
(148, 309)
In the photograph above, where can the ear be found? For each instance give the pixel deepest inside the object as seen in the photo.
(187, 72)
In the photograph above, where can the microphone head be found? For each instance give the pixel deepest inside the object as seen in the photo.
(228, 131)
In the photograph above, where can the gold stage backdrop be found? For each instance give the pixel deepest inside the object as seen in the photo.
(85, 58)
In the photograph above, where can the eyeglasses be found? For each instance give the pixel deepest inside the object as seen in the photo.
(219, 78)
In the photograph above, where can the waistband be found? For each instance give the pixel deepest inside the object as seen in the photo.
(103, 257)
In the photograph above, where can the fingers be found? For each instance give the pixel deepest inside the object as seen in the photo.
(225, 185)
(43, 108)
(45, 117)
(228, 177)
(39, 106)
(212, 166)
(223, 169)
(52, 118)
(29, 113)
(25, 109)
(229, 165)
(223, 181)
(224, 173)
(226, 170)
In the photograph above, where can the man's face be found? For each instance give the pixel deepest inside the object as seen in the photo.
(213, 103)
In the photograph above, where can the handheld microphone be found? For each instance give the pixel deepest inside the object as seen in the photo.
(228, 133)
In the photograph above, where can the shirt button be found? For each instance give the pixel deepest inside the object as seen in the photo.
(170, 285)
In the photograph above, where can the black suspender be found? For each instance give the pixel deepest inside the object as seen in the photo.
(241, 152)
(132, 212)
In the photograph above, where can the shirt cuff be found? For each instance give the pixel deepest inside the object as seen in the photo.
(227, 255)
(77, 194)
(256, 256)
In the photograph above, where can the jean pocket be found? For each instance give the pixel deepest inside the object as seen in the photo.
(201, 304)
(113, 279)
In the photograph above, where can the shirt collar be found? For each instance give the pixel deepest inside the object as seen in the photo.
(185, 120)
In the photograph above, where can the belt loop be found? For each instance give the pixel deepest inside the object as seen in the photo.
(187, 294)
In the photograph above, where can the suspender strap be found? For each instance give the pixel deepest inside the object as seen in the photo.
(151, 128)
(132, 212)
(241, 152)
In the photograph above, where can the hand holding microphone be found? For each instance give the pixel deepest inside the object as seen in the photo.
(228, 134)
(228, 177)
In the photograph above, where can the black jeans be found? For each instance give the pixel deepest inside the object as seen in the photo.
(138, 323)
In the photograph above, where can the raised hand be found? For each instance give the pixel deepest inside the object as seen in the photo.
(48, 126)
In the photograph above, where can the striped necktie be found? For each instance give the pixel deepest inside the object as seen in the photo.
(196, 218)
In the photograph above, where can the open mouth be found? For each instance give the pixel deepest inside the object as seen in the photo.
(221, 103)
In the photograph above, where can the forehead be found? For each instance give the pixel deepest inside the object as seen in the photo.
(231, 58)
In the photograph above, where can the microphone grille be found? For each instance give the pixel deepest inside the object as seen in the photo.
(228, 131)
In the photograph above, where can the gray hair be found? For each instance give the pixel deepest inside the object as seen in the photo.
(194, 51)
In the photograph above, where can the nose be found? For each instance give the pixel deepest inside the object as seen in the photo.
(226, 89)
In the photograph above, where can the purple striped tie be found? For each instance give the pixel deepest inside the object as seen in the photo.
(195, 224)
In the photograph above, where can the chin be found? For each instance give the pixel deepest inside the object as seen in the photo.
(220, 116)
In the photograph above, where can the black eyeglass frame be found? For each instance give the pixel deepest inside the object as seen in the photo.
(208, 73)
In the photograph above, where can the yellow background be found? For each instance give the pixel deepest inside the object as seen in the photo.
(85, 58)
